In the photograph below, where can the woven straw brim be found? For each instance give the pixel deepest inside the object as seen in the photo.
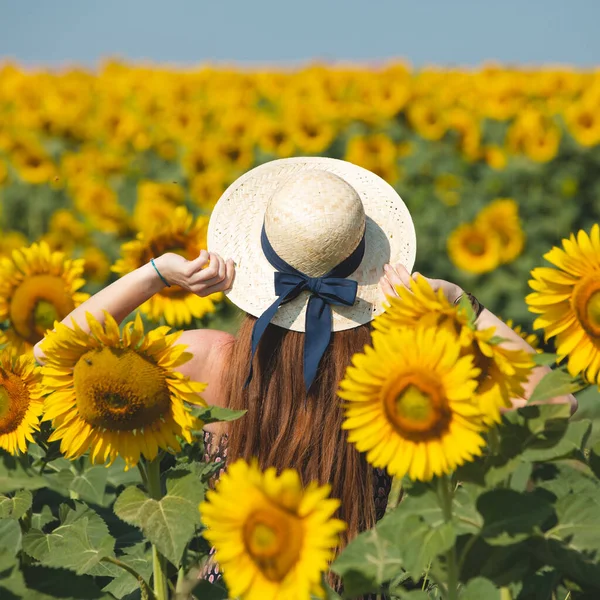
(237, 219)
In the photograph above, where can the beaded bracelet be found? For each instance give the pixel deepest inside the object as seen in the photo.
(158, 273)
(475, 304)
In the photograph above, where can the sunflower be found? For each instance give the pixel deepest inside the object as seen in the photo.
(427, 120)
(117, 394)
(568, 301)
(502, 372)
(542, 145)
(21, 401)
(100, 205)
(502, 217)
(3, 172)
(531, 338)
(278, 541)
(11, 240)
(63, 223)
(34, 166)
(447, 188)
(97, 265)
(182, 235)
(37, 288)
(409, 403)
(474, 249)
(495, 157)
(155, 203)
(583, 123)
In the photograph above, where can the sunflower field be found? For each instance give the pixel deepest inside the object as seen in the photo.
(105, 483)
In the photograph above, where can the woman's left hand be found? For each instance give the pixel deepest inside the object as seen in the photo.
(205, 275)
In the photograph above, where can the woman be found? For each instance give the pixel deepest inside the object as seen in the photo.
(317, 244)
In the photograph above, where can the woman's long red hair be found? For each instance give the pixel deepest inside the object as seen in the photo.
(285, 429)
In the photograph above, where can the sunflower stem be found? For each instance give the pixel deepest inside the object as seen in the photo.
(395, 494)
(159, 565)
(446, 495)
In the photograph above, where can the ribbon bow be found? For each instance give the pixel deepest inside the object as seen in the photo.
(331, 288)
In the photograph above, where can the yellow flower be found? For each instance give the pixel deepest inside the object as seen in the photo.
(21, 401)
(155, 204)
(11, 240)
(427, 120)
(278, 541)
(182, 235)
(542, 144)
(63, 223)
(96, 264)
(568, 301)
(583, 123)
(274, 138)
(502, 372)
(531, 338)
(474, 249)
(100, 205)
(117, 394)
(206, 188)
(502, 217)
(37, 288)
(495, 157)
(410, 403)
(34, 166)
(447, 188)
(3, 172)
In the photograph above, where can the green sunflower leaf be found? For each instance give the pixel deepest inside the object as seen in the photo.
(544, 359)
(169, 523)
(16, 506)
(556, 383)
(528, 514)
(91, 484)
(12, 584)
(14, 477)
(10, 535)
(44, 583)
(479, 588)
(215, 414)
(138, 558)
(78, 544)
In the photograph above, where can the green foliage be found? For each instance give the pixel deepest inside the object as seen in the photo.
(525, 516)
(169, 523)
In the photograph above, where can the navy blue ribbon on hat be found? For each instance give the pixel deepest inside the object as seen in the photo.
(331, 288)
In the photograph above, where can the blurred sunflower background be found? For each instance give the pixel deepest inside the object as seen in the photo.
(106, 165)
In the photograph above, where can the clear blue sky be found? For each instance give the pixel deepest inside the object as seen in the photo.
(464, 32)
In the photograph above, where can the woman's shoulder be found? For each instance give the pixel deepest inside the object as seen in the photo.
(209, 349)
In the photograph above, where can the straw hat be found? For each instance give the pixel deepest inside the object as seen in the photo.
(315, 211)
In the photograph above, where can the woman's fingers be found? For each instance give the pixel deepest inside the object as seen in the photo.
(403, 274)
(223, 285)
(193, 266)
(386, 287)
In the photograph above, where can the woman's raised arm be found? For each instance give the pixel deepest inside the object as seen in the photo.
(205, 275)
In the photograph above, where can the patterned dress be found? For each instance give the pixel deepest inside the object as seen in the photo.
(216, 451)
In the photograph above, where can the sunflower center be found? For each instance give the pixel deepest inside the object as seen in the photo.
(120, 390)
(37, 303)
(14, 402)
(273, 538)
(416, 407)
(45, 314)
(586, 302)
(476, 245)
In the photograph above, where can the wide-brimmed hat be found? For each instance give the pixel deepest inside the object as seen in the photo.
(315, 212)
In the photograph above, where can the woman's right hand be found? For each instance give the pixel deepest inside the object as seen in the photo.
(397, 276)
(205, 275)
